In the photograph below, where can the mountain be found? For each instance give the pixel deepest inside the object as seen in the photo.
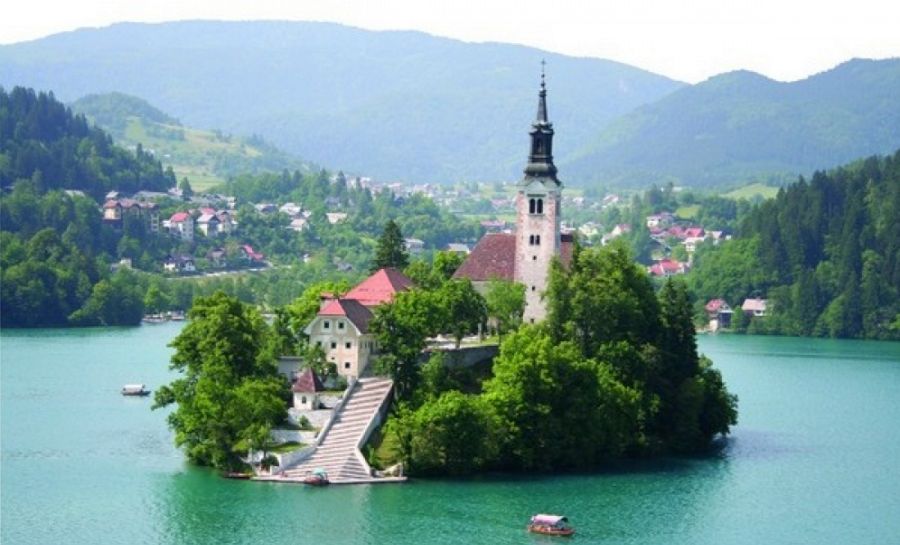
(206, 157)
(401, 105)
(741, 126)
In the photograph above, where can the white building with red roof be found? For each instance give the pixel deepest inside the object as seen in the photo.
(341, 327)
(182, 224)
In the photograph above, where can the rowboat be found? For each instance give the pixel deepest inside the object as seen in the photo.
(135, 390)
(317, 477)
(550, 525)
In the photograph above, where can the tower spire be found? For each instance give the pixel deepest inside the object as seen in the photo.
(540, 160)
(542, 100)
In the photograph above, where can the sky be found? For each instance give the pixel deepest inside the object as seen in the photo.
(689, 40)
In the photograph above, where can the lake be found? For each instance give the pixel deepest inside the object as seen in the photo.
(815, 459)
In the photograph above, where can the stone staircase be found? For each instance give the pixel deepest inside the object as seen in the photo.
(338, 451)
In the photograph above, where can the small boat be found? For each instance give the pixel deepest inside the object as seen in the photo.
(550, 525)
(317, 477)
(135, 390)
(236, 475)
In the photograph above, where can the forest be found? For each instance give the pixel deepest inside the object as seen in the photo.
(825, 252)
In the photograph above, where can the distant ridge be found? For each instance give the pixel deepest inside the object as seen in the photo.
(401, 105)
(741, 126)
(206, 157)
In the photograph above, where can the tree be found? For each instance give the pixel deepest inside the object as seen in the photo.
(555, 408)
(506, 304)
(449, 434)
(464, 309)
(229, 396)
(400, 330)
(391, 250)
(185, 186)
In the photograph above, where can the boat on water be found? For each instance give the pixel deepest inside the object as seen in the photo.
(316, 477)
(135, 390)
(550, 525)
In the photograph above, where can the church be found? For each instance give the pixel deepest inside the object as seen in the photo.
(525, 256)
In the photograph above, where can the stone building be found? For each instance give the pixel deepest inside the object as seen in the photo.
(525, 256)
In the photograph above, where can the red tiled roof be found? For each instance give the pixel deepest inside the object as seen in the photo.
(354, 310)
(715, 305)
(493, 257)
(308, 382)
(380, 287)
(179, 217)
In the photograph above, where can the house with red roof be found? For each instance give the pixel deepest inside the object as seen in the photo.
(341, 330)
(380, 287)
(719, 314)
(306, 388)
(182, 224)
(341, 327)
(667, 267)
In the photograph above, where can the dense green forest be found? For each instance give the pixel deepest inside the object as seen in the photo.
(42, 141)
(825, 252)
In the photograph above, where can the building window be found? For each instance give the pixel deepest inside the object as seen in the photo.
(534, 258)
(334, 344)
(303, 400)
(341, 324)
(532, 288)
(346, 365)
(326, 324)
(540, 206)
(537, 240)
(348, 344)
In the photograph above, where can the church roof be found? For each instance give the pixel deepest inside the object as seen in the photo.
(380, 287)
(307, 382)
(495, 257)
(355, 311)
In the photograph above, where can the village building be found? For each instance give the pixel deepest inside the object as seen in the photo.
(208, 224)
(414, 246)
(755, 307)
(719, 314)
(525, 255)
(181, 224)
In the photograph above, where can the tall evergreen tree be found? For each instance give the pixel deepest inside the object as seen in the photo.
(391, 251)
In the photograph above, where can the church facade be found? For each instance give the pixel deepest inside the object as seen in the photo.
(525, 256)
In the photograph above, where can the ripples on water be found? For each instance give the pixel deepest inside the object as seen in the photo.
(814, 460)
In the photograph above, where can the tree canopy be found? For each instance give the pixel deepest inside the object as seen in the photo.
(230, 394)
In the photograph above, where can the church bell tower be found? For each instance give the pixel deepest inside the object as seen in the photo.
(537, 214)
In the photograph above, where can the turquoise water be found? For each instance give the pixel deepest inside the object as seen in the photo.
(815, 459)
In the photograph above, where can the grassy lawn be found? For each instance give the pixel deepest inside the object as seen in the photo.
(688, 212)
(382, 450)
(751, 191)
(290, 446)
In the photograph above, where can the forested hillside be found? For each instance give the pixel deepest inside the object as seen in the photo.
(826, 253)
(396, 105)
(42, 141)
(206, 157)
(741, 126)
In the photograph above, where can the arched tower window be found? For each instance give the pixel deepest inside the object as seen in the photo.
(531, 206)
(540, 206)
